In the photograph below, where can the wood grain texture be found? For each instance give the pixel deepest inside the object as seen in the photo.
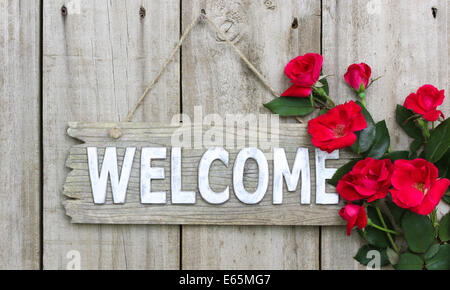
(401, 41)
(19, 134)
(81, 209)
(97, 61)
(215, 78)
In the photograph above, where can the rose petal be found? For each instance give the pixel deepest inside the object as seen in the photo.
(294, 91)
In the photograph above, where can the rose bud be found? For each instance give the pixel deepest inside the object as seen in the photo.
(335, 129)
(369, 179)
(425, 102)
(354, 215)
(304, 72)
(357, 76)
(416, 185)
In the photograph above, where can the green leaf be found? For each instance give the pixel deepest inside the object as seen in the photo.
(446, 198)
(409, 261)
(443, 165)
(418, 230)
(439, 142)
(392, 256)
(325, 87)
(323, 111)
(415, 145)
(404, 119)
(363, 258)
(431, 252)
(367, 136)
(382, 141)
(343, 170)
(441, 260)
(396, 211)
(374, 236)
(289, 106)
(396, 155)
(444, 228)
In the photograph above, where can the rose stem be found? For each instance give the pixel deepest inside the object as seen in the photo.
(384, 225)
(383, 229)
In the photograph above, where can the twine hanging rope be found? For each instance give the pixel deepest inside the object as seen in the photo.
(117, 132)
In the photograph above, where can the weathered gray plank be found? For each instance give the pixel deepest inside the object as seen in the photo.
(97, 61)
(215, 78)
(401, 41)
(81, 209)
(19, 134)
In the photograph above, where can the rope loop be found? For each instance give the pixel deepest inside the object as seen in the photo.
(116, 132)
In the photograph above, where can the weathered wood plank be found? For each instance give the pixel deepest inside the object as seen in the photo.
(97, 61)
(19, 134)
(81, 208)
(215, 78)
(401, 41)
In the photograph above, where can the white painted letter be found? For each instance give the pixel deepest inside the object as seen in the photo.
(281, 169)
(178, 196)
(322, 174)
(238, 175)
(215, 153)
(148, 173)
(109, 167)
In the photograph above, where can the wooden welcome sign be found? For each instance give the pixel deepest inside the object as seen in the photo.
(169, 175)
(142, 173)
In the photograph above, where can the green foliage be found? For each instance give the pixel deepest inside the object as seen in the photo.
(414, 147)
(374, 236)
(446, 197)
(405, 119)
(396, 155)
(325, 87)
(443, 165)
(431, 252)
(392, 255)
(418, 230)
(382, 141)
(366, 137)
(396, 212)
(409, 261)
(439, 142)
(289, 106)
(444, 228)
(440, 260)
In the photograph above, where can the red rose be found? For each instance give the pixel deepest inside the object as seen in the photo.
(304, 71)
(425, 102)
(369, 179)
(335, 129)
(354, 215)
(358, 74)
(416, 185)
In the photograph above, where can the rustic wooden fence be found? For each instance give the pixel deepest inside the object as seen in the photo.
(73, 60)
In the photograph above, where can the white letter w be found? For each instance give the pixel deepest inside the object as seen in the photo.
(109, 167)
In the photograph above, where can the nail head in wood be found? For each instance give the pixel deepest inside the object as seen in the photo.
(64, 10)
(434, 11)
(294, 24)
(142, 12)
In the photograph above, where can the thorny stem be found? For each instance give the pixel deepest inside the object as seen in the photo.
(373, 80)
